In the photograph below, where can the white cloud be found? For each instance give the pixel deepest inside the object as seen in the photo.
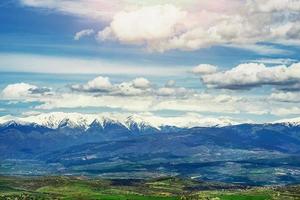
(145, 25)
(128, 89)
(83, 33)
(99, 84)
(189, 25)
(204, 69)
(241, 28)
(172, 91)
(102, 93)
(141, 83)
(24, 91)
(18, 90)
(226, 104)
(250, 75)
(138, 86)
(125, 96)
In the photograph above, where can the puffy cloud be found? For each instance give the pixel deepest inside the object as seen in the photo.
(189, 25)
(18, 90)
(99, 84)
(172, 91)
(145, 25)
(141, 83)
(23, 91)
(83, 33)
(249, 75)
(138, 86)
(204, 69)
(129, 89)
(169, 27)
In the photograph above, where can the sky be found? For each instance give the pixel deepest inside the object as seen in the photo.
(233, 59)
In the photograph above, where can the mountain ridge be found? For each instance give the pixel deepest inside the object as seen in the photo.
(134, 121)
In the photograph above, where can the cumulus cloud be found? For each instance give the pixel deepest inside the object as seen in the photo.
(166, 27)
(128, 89)
(83, 33)
(204, 69)
(136, 87)
(141, 83)
(23, 90)
(188, 25)
(102, 85)
(99, 84)
(250, 75)
(172, 91)
(17, 90)
(144, 25)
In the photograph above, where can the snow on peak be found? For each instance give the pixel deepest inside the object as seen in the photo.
(141, 121)
(292, 121)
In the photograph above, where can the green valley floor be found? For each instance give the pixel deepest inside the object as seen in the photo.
(167, 188)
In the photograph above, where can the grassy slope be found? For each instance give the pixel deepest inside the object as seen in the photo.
(159, 189)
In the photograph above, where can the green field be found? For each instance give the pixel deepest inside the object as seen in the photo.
(82, 188)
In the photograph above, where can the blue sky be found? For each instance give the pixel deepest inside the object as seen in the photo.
(221, 62)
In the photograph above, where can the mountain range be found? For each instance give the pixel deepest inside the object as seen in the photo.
(76, 120)
(143, 146)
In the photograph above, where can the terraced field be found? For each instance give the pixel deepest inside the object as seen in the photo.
(81, 188)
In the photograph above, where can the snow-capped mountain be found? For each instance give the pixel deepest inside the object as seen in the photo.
(134, 121)
(289, 122)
